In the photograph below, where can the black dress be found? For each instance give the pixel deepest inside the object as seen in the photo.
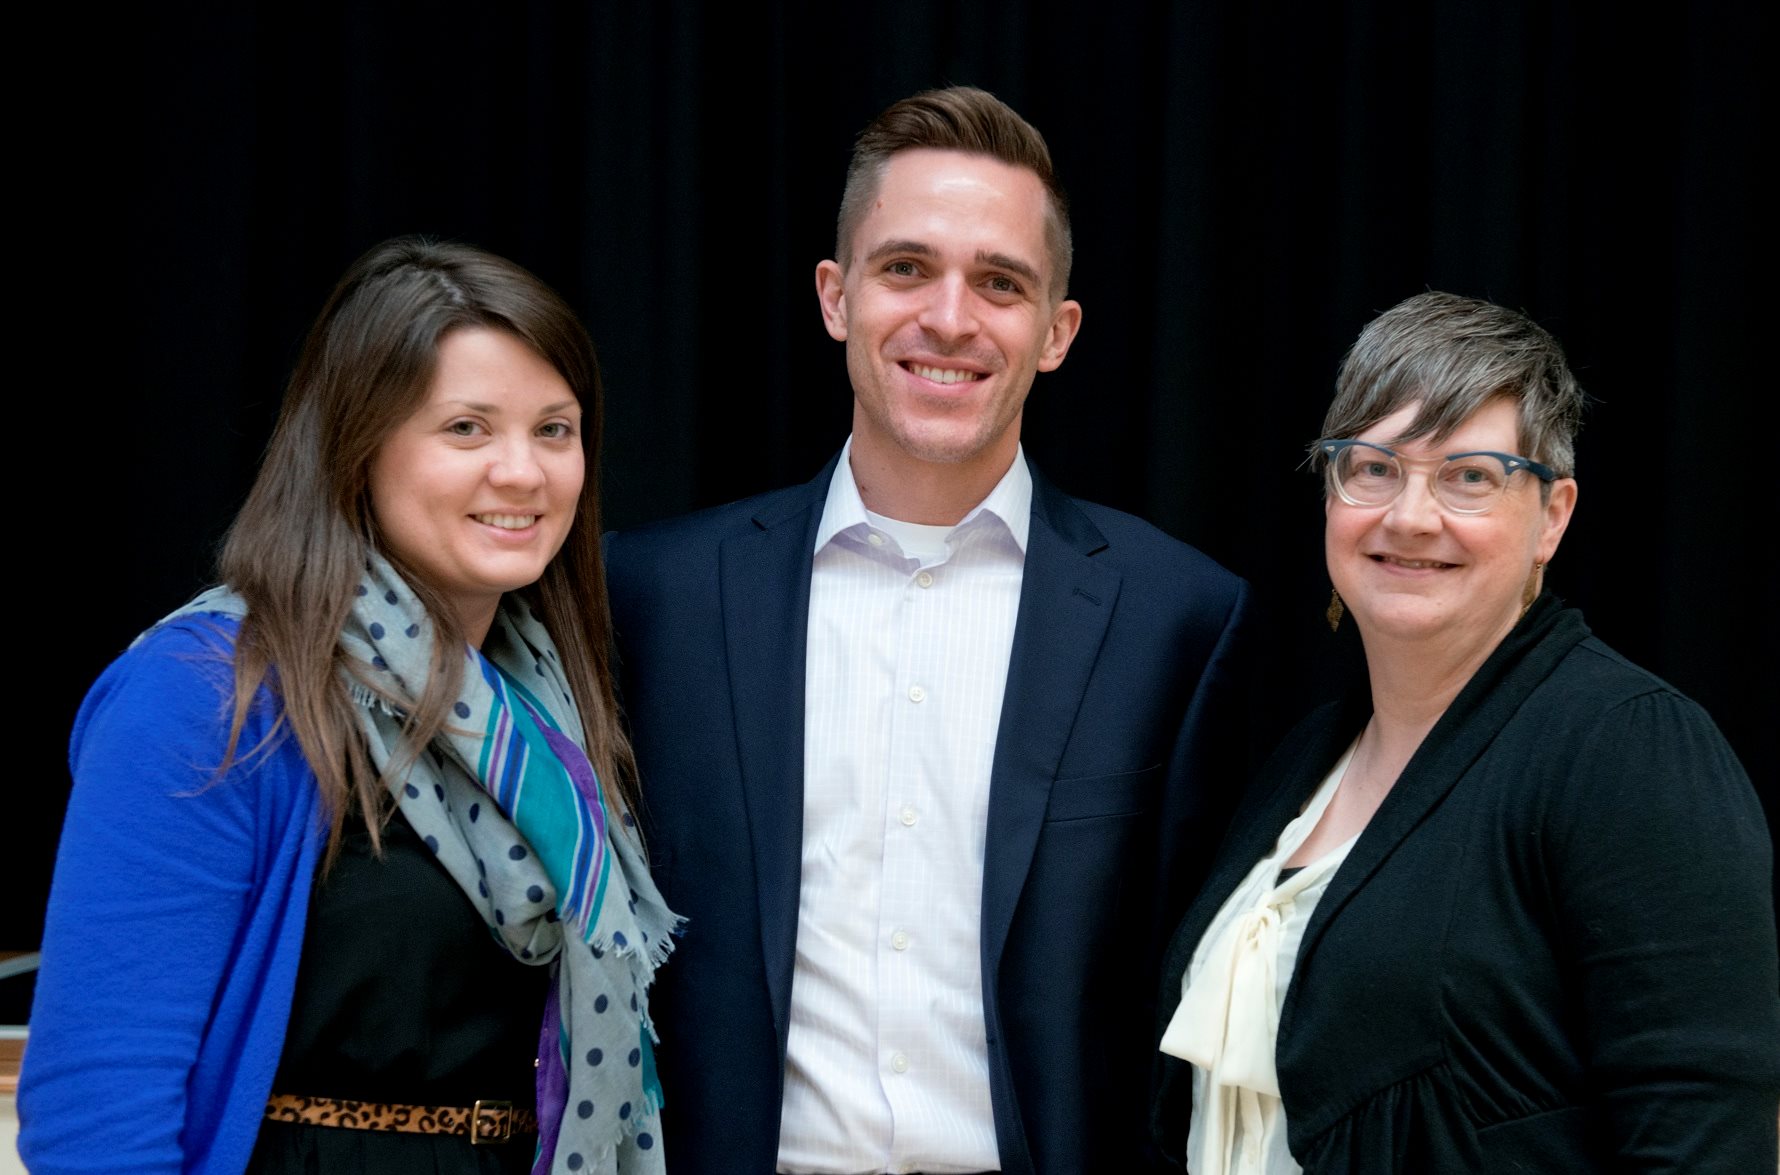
(403, 996)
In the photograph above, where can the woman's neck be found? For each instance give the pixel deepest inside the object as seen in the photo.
(1414, 680)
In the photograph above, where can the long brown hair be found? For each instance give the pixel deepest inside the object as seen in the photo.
(299, 546)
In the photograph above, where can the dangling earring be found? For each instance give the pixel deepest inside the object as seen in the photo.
(1335, 610)
(1530, 592)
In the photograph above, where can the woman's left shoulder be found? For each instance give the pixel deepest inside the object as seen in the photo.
(1593, 665)
(1593, 684)
(1606, 733)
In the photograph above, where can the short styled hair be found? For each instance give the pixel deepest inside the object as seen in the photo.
(958, 118)
(1453, 355)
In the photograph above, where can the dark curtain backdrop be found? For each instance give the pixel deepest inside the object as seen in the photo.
(1251, 183)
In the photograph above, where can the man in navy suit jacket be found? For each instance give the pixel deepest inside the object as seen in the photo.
(933, 754)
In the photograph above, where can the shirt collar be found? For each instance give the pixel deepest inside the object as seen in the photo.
(1010, 502)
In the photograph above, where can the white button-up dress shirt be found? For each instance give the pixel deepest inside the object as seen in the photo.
(909, 633)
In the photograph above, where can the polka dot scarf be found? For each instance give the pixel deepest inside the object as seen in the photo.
(508, 802)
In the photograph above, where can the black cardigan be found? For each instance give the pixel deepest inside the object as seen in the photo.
(1551, 950)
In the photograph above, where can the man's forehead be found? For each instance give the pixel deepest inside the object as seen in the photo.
(943, 169)
(947, 193)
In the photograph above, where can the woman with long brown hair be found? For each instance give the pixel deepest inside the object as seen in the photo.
(350, 878)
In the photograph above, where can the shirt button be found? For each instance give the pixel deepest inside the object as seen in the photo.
(875, 539)
(900, 940)
(899, 1063)
(917, 694)
(907, 815)
(925, 579)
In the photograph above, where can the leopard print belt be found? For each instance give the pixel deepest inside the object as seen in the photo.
(486, 1122)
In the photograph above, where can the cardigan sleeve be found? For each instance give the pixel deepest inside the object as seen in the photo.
(169, 952)
(1662, 874)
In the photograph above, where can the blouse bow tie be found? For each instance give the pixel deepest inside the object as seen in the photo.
(1227, 1021)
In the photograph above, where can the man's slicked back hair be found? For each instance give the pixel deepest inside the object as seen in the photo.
(958, 118)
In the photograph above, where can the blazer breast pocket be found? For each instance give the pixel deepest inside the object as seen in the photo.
(1089, 797)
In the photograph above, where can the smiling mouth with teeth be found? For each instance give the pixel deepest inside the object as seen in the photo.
(506, 521)
(1413, 564)
(942, 375)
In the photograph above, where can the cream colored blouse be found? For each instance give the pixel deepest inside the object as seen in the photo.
(1227, 1023)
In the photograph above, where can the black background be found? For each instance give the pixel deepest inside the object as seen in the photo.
(1250, 183)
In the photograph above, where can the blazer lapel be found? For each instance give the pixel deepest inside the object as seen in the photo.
(1066, 602)
(765, 583)
(1296, 770)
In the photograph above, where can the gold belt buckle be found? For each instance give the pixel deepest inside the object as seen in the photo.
(493, 1106)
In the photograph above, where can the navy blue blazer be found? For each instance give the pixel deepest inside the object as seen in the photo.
(1115, 769)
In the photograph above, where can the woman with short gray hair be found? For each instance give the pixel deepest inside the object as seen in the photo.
(1509, 907)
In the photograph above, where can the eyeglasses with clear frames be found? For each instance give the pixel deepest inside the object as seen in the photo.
(1361, 473)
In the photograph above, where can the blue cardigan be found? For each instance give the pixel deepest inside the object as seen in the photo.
(175, 921)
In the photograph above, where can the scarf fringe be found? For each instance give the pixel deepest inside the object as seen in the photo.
(366, 698)
(606, 1159)
(653, 955)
